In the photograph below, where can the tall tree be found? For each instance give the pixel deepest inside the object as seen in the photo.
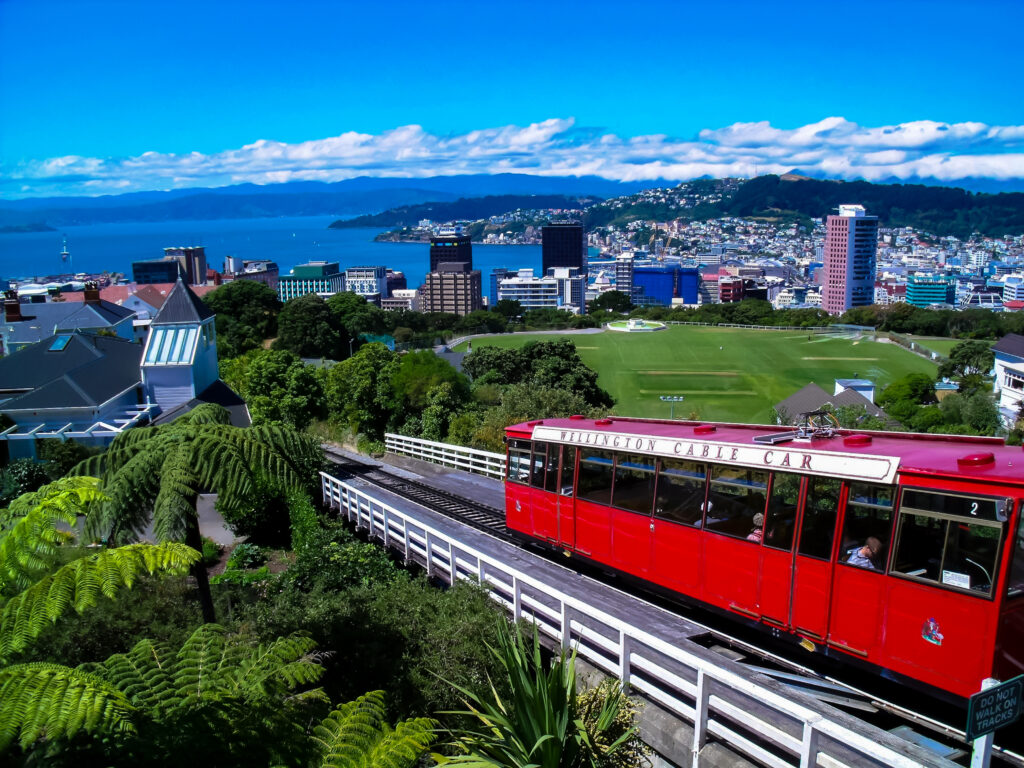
(157, 473)
(307, 327)
(49, 701)
(246, 315)
(968, 358)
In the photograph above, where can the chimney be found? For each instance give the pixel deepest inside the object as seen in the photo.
(12, 307)
(92, 292)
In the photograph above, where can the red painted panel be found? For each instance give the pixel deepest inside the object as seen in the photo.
(631, 542)
(811, 580)
(517, 508)
(858, 596)
(938, 636)
(730, 572)
(545, 514)
(593, 530)
(1009, 656)
(775, 583)
(677, 553)
(567, 521)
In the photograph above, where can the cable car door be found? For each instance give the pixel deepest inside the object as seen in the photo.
(543, 481)
(812, 565)
(776, 580)
(566, 498)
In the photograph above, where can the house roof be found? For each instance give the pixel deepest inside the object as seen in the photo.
(42, 320)
(1010, 344)
(76, 370)
(182, 306)
(219, 393)
(153, 294)
(812, 398)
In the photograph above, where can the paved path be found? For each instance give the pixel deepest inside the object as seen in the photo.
(211, 524)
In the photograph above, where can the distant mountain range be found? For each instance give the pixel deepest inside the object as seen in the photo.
(388, 202)
(465, 208)
(353, 197)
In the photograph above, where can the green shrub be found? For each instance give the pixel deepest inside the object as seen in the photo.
(370, 447)
(305, 520)
(246, 556)
(211, 552)
(331, 557)
(241, 578)
(264, 519)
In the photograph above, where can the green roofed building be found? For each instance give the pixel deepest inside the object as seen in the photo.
(323, 278)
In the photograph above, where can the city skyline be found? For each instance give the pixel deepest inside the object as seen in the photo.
(113, 97)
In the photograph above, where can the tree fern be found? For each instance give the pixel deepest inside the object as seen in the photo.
(31, 538)
(356, 735)
(158, 473)
(79, 584)
(48, 701)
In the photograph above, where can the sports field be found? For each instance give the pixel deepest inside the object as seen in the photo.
(937, 344)
(725, 374)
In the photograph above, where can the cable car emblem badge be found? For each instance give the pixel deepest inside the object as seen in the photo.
(931, 632)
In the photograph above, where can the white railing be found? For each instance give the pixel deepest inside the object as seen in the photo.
(456, 456)
(760, 722)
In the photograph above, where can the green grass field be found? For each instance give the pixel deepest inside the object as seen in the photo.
(938, 344)
(725, 374)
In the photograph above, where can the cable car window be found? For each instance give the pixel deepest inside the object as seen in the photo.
(634, 483)
(867, 529)
(568, 470)
(518, 461)
(680, 494)
(537, 464)
(819, 523)
(595, 476)
(551, 471)
(1015, 583)
(736, 496)
(778, 529)
(950, 540)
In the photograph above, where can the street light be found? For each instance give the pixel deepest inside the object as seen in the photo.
(673, 399)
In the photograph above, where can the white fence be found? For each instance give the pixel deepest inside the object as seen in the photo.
(757, 721)
(456, 456)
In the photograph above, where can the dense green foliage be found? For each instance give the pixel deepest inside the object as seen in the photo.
(246, 315)
(307, 327)
(540, 722)
(277, 387)
(158, 473)
(42, 700)
(939, 210)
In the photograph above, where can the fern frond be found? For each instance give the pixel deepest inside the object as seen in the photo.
(79, 584)
(48, 701)
(355, 735)
(26, 548)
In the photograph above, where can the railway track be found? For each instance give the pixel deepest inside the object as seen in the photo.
(880, 711)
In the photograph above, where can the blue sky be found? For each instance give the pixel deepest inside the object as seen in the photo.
(89, 87)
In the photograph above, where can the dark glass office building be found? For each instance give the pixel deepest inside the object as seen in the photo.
(563, 244)
(451, 249)
(157, 271)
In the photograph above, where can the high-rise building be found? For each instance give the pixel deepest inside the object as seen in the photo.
(192, 260)
(153, 271)
(851, 241)
(452, 288)
(660, 285)
(497, 275)
(395, 282)
(624, 274)
(560, 288)
(368, 282)
(451, 247)
(563, 244)
(320, 277)
(925, 290)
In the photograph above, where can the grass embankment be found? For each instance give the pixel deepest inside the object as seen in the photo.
(725, 374)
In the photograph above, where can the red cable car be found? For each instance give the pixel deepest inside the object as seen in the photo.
(903, 551)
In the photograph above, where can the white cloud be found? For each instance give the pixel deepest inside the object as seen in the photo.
(833, 147)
